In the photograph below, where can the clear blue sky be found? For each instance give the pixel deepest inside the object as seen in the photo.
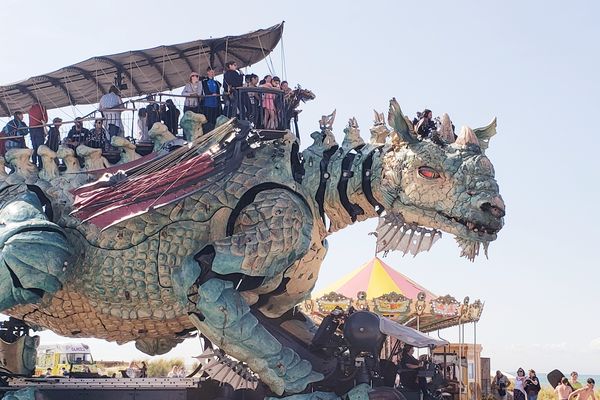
(532, 64)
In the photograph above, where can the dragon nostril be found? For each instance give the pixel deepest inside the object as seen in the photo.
(495, 211)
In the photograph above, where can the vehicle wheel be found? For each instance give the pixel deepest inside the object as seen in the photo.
(385, 393)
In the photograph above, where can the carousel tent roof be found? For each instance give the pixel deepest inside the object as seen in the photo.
(376, 278)
(144, 71)
(391, 294)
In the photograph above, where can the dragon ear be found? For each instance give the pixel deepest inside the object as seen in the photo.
(485, 134)
(397, 121)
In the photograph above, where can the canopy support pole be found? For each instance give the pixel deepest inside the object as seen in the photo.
(460, 349)
(476, 360)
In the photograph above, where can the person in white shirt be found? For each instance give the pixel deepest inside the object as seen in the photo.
(109, 106)
(193, 91)
(143, 126)
(519, 391)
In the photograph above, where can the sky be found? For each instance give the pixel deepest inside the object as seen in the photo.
(534, 65)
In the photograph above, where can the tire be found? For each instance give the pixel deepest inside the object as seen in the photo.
(385, 393)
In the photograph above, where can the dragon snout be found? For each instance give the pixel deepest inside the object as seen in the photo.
(494, 206)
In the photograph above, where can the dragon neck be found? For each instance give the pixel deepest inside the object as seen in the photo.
(348, 185)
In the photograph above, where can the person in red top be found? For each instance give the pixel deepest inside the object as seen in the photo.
(38, 117)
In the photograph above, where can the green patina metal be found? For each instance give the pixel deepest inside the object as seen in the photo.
(252, 239)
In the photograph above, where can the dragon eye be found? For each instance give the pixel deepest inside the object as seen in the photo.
(428, 173)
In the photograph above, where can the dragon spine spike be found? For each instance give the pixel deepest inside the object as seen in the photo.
(466, 137)
(446, 132)
(379, 118)
(327, 121)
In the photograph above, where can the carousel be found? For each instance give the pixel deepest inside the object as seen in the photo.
(377, 287)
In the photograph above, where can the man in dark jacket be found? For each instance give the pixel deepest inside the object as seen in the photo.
(77, 134)
(16, 127)
(211, 103)
(232, 79)
(152, 112)
(53, 139)
(426, 124)
(170, 116)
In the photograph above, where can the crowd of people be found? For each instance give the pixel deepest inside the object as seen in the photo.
(569, 389)
(178, 371)
(137, 371)
(203, 94)
(527, 387)
(208, 96)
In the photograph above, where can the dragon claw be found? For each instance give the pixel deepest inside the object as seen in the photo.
(33, 253)
(227, 318)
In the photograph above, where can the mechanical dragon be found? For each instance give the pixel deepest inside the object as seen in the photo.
(225, 233)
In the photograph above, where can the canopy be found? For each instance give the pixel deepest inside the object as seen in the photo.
(376, 278)
(378, 287)
(143, 71)
(408, 335)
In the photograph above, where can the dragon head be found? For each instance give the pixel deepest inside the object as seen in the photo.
(428, 186)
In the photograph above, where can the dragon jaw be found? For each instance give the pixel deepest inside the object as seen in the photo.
(415, 229)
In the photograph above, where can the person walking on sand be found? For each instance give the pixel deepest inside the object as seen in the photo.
(532, 385)
(519, 391)
(499, 385)
(563, 390)
(585, 393)
(575, 384)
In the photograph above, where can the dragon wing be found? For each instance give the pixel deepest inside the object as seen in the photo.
(161, 181)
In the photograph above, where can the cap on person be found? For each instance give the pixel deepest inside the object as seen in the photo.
(194, 74)
(57, 120)
(591, 381)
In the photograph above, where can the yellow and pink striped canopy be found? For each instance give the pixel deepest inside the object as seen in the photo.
(376, 278)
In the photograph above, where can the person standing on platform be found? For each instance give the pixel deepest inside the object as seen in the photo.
(110, 105)
(152, 111)
(170, 116)
(211, 103)
(38, 118)
(143, 125)
(77, 134)
(16, 127)
(232, 79)
(193, 92)
(53, 138)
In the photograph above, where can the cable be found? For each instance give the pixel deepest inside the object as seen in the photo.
(283, 64)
